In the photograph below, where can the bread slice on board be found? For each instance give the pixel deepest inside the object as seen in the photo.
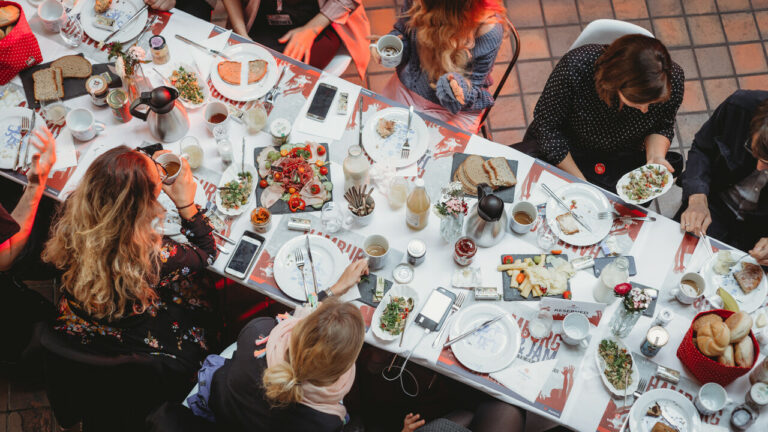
(256, 70)
(466, 186)
(74, 66)
(48, 84)
(499, 172)
(473, 169)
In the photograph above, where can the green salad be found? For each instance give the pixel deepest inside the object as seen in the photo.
(618, 364)
(236, 192)
(395, 314)
(646, 182)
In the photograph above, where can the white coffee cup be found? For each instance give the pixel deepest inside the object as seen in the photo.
(166, 158)
(711, 398)
(83, 125)
(527, 208)
(685, 293)
(213, 109)
(576, 329)
(390, 49)
(376, 262)
(52, 15)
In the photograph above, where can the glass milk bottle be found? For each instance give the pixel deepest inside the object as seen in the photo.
(615, 273)
(417, 207)
(356, 168)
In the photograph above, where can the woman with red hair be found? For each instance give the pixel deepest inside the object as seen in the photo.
(449, 47)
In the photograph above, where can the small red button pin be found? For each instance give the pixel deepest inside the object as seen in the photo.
(599, 168)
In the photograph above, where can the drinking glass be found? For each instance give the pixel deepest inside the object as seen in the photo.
(541, 325)
(54, 111)
(545, 238)
(72, 31)
(331, 217)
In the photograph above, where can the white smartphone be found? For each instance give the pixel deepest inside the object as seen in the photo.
(436, 308)
(245, 253)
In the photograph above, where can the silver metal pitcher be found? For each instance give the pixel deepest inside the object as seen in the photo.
(487, 221)
(167, 118)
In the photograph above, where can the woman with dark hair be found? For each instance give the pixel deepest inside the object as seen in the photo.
(125, 286)
(608, 109)
(724, 193)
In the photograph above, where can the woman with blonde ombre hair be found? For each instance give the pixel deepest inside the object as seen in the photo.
(125, 286)
(449, 48)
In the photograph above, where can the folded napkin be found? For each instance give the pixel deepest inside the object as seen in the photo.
(525, 379)
(335, 124)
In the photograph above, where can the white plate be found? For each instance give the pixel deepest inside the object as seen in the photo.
(589, 202)
(244, 53)
(201, 82)
(624, 180)
(120, 11)
(398, 291)
(388, 149)
(635, 377)
(674, 405)
(490, 349)
(328, 260)
(229, 175)
(747, 302)
(10, 134)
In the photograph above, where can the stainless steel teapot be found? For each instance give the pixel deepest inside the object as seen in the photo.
(167, 118)
(487, 221)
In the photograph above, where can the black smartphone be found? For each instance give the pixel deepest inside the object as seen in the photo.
(244, 255)
(438, 304)
(150, 149)
(321, 102)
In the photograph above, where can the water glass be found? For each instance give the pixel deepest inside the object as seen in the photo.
(545, 238)
(541, 325)
(54, 111)
(331, 217)
(72, 31)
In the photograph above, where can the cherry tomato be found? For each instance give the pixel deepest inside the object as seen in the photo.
(567, 295)
(556, 252)
(283, 153)
(320, 150)
(509, 260)
(292, 190)
(263, 183)
(319, 163)
(314, 189)
(323, 171)
(301, 170)
(278, 176)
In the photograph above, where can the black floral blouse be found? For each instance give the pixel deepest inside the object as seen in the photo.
(181, 325)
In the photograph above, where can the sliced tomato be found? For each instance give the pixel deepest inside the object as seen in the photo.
(567, 295)
(556, 252)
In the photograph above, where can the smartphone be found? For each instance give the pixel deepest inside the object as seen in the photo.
(321, 102)
(436, 308)
(245, 254)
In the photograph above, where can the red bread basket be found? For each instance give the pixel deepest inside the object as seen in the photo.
(704, 368)
(19, 49)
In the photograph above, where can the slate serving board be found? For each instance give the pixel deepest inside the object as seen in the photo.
(73, 87)
(513, 294)
(600, 264)
(281, 207)
(368, 287)
(506, 194)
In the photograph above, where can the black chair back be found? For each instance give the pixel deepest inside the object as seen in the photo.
(516, 53)
(105, 393)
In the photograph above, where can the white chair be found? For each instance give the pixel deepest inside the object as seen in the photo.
(339, 62)
(605, 31)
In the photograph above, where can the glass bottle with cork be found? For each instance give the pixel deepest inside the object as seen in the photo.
(417, 206)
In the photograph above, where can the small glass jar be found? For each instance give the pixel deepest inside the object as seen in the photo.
(742, 417)
(417, 252)
(223, 144)
(464, 251)
(280, 130)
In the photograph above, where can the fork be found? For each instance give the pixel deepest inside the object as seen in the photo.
(609, 215)
(406, 150)
(299, 256)
(454, 308)
(25, 125)
(637, 393)
(273, 92)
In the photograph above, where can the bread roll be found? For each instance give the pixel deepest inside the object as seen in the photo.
(744, 353)
(727, 357)
(9, 15)
(706, 319)
(713, 338)
(739, 324)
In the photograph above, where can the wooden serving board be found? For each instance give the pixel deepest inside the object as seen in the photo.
(513, 294)
(281, 207)
(506, 194)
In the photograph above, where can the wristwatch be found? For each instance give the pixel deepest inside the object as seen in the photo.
(324, 294)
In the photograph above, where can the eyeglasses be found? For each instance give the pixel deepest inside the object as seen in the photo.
(748, 147)
(161, 172)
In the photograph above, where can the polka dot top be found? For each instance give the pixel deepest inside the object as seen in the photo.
(570, 114)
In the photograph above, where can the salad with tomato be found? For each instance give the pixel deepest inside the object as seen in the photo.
(296, 174)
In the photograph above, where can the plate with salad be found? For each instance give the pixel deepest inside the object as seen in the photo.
(293, 177)
(186, 78)
(394, 312)
(617, 367)
(235, 192)
(644, 184)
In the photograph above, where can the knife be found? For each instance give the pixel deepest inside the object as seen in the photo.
(23, 162)
(474, 330)
(206, 49)
(360, 138)
(130, 20)
(311, 265)
(568, 209)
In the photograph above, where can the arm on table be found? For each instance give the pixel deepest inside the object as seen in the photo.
(300, 39)
(347, 280)
(25, 211)
(236, 16)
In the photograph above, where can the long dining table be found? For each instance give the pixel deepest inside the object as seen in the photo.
(554, 380)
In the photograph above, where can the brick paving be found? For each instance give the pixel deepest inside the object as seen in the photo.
(719, 44)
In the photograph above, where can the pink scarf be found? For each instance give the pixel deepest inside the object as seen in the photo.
(324, 399)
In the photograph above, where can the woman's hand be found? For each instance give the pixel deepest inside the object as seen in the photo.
(350, 277)
(760, 251)
(412, 422)
(375, 53)
(696, 218)
(300, 42)
(182, 191)
(660, 160)
(161, 5)
(43, 160)
(458, 92)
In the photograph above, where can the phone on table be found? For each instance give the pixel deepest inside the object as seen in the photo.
(244, 255)
(321, 102)
(436, 309)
